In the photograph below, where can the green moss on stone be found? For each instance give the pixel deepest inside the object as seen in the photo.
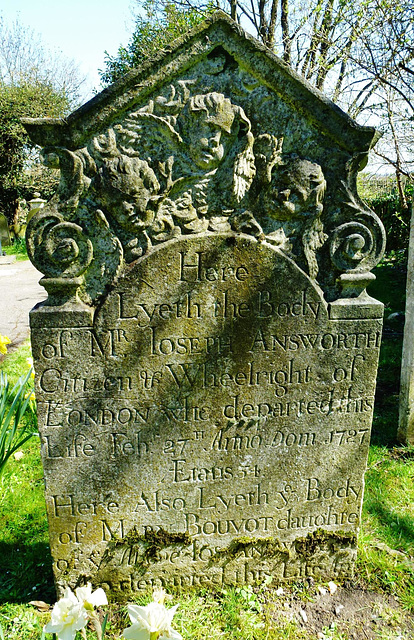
(153, 541)
(268, 547)
(308, 545)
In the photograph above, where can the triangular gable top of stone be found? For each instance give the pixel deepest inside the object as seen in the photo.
(217, 31)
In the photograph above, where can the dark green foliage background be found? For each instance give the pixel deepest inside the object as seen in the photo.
(395, 218)
(18, 101)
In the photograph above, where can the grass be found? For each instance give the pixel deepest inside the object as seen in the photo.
(385, 566)
(388, 510)
(386, 540)
(18, 249)
(15, 364)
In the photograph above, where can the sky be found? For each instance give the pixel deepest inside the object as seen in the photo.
(80, 29)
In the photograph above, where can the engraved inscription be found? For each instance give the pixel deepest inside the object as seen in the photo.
(210, 409)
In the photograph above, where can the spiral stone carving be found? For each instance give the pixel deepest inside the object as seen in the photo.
(57, 248)
(62, 252)
(354, 246)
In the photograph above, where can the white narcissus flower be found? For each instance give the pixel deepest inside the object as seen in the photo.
(159, 595)
(152, 622)
(68, 617)
(71, 613)
(89, 600)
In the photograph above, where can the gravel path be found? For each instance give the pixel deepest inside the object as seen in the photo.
(19, 292)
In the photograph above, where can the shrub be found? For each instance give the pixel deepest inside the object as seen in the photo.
(395, 219)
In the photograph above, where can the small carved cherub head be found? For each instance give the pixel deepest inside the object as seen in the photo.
(129, 184)
(210, 123)
(125, 184)
(294, 204)
(217, 135)
(299, 190)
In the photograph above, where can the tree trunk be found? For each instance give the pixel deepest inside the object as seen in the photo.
(233, 9)
(284, 23)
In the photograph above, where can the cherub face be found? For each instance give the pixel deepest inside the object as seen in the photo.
(133, 214)
(291, 199)
(208, 144)
(297, 190)
(130, 186)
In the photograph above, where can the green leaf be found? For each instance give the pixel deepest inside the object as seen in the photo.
(13, 407)
(104, 623)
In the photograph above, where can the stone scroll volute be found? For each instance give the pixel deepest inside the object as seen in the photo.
(206, 358)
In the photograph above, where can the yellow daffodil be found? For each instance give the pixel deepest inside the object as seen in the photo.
(30, 366)
(4, 340)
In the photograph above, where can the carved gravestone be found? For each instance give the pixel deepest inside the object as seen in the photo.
(206, 359)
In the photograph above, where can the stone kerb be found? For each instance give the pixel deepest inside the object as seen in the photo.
(206, 359)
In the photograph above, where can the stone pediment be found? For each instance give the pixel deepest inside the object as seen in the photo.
(201, 43)
(215, 135)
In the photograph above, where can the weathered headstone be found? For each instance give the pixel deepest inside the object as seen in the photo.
(4, 231)
(206, 360)
(406, 413)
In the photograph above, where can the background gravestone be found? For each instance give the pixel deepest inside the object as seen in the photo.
(206, 359)
(4, 231)
(406, 409)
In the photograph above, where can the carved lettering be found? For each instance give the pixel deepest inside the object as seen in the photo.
(215, 345)
(112, 530)
(65, 505)
(193, 269)
(195, 526)
(331, 517)
(263, 341)
(316, 491)
(145, 314)
(220, 503)
(54, 381)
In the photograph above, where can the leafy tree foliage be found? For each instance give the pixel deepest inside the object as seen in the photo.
(384, 59)
(153, 32)
(27, 100)
(32, 84)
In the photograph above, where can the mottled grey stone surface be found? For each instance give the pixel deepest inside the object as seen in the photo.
(206, 359)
